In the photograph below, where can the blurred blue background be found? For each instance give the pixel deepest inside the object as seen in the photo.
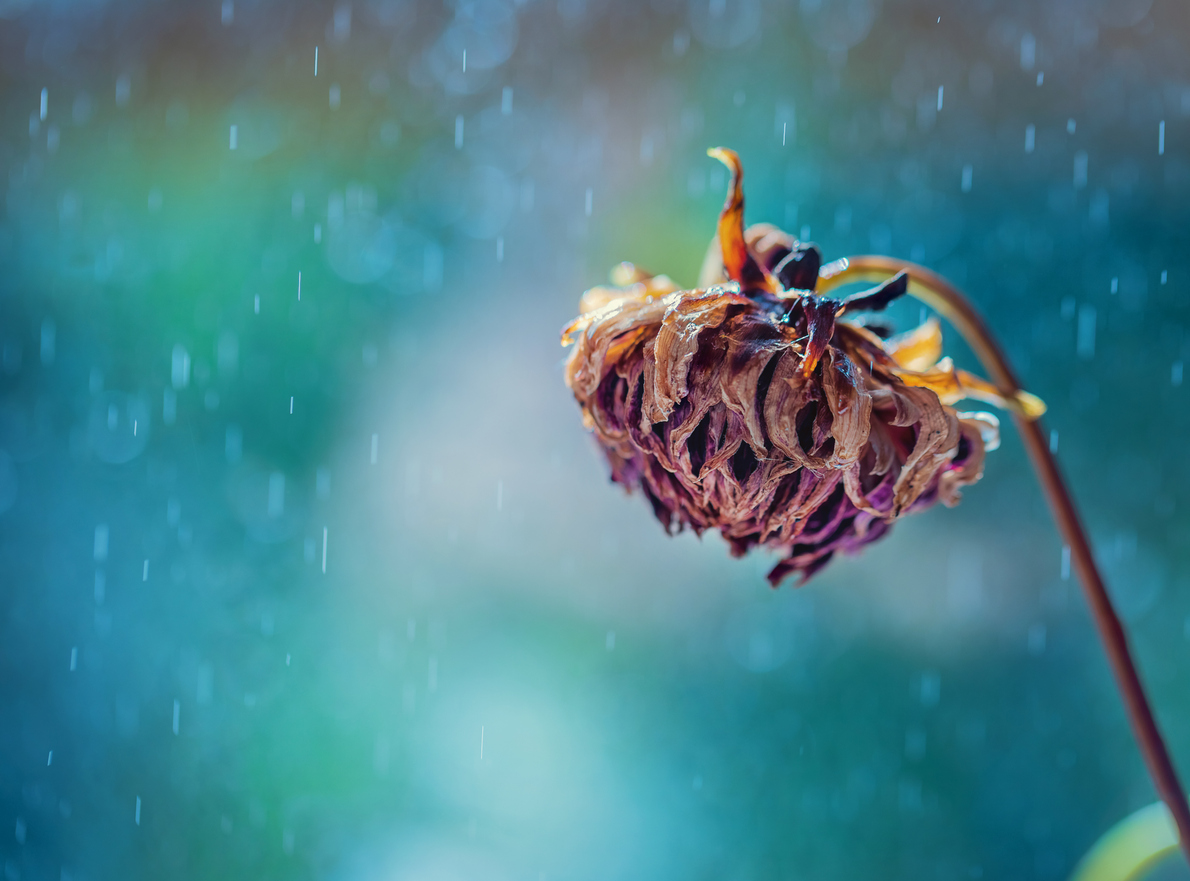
(334, 585)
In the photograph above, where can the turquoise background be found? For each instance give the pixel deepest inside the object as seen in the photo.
(507, 670)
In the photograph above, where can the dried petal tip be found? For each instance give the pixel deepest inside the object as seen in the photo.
(738, 263)
(763, 410)
(1029, 406)
(627, 273)
(879, 297)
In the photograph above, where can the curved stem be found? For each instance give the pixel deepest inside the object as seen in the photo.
(935, 291)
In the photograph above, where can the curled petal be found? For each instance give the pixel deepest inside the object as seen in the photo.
(751, 350)
(918, 349)
(953, 385)
(642, 288)
(937, 435)
(799, 269)
(610, 332)
(878, 298)
(788, 394)
(967, 465)
(687, 315)
(988, 426)
(820, 326)
(769, 244)
(850, 405)
(738, 263)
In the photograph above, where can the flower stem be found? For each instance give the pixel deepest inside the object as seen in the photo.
(936, 292)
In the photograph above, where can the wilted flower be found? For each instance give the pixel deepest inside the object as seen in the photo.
(752, 406)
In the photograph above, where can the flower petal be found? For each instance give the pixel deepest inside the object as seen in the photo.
(738, 263)
(918, 349)
(687, 315)
(877, 298)
(953, 385)
(850, 405)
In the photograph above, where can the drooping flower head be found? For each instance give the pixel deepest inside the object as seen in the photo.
(757, 407)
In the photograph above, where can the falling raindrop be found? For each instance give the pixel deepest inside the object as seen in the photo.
(1085, 341)
(1028, 51)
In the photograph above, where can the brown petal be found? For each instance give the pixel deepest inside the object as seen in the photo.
(688, 315)
(971, 468)
(877, 298)
(789, 392)
(751, 350)
(850, 405)
(609, 334)
(799, 269)
(937, 434)
(820, 326)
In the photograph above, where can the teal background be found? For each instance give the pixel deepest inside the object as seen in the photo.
(507, 670)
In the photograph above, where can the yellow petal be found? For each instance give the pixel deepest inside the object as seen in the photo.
(626, 273)
(918, 349)
(655, 286)
(952, 385)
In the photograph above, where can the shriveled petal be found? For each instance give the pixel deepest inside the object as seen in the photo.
(801, 433)
(798, 271)
(655, 286)
(767, 244)
(876, 500)
(918, 349)
(953, 385)
(937, 434)
(738, 262)
(969, 468)
(820, 327)
(877, 298)
(691, 419)
(988, 425)
(609, 333)
(687, 315)
(789, 393)
(850, 406)
(751, 349)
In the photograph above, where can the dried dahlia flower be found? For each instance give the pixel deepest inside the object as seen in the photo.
(757, 407)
